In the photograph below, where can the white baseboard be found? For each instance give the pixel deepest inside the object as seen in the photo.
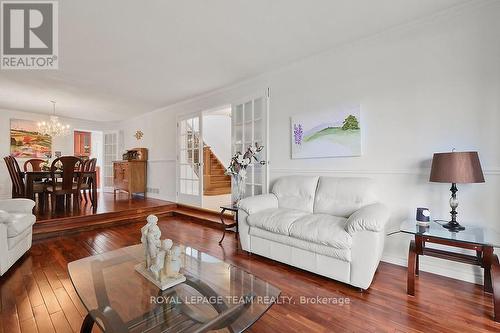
(464, 272)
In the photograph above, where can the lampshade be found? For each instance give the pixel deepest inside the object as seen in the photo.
(456, 167)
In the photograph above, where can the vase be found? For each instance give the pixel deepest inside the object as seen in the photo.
(238, 189)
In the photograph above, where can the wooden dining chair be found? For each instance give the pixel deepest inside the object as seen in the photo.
(33, 164)
(66, 184)
(18, 185)
(88, 166)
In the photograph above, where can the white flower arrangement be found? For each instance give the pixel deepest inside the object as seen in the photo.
(238, 168)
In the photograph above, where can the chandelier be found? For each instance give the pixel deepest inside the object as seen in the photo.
(53, 127)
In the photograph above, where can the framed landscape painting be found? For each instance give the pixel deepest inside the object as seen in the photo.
(26, 142)
(330, 134)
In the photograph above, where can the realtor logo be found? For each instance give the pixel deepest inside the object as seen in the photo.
(29, 35)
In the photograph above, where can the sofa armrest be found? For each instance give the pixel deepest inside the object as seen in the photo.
(373, 217)
(17, 205)
(252, 205)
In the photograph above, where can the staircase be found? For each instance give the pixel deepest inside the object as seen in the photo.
(215, 182)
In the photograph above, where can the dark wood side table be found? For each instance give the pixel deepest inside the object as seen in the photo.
(226, 226)
(480, 240)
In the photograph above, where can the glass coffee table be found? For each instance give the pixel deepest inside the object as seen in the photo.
(215, 295)
(478, 239)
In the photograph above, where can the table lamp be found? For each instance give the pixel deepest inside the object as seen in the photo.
(456, 167)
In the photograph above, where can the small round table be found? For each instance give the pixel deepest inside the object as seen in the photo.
(226, 226)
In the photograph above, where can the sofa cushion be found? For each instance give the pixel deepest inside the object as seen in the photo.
(296, 192)
(4, 216)
(322, 229)
(12, 242)
(341, 254)
(343, 196)
(277, 220)
(18, 223)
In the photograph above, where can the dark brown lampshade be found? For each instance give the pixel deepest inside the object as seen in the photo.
(456, 167)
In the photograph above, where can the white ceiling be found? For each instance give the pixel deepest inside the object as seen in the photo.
(123, 58)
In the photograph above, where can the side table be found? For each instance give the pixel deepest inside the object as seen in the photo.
(480, 240)
(233, 209)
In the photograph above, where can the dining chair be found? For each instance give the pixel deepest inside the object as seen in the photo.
(18, 188)
(67, 183)
(88, 166)
(33, 164)
(18, 185)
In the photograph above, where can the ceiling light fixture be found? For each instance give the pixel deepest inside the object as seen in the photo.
(53, 127)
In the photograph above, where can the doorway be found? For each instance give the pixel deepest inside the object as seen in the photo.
(89, 144)
(216, 157)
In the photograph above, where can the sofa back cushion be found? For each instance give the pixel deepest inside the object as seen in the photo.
(296, 192)
(343, 196)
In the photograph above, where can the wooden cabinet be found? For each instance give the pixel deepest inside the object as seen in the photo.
(130, 176)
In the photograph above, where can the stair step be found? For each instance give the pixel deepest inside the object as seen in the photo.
(219, 178)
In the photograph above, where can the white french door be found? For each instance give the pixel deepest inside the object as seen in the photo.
(250, 126)
(190, 159)
(110, 152)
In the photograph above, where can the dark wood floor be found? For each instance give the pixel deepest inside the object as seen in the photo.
(37, 295)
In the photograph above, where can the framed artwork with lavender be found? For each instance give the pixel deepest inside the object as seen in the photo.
(329, 134)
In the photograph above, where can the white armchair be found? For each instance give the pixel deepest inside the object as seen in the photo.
(16, 230)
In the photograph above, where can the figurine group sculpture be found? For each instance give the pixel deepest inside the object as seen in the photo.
(163, 260)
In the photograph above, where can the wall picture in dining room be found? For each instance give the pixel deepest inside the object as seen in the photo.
(27, 142)
(329, 134)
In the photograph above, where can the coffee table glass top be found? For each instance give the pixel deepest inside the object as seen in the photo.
(471, 234)
(215, 296)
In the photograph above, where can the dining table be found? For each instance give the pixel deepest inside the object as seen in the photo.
(33, 176)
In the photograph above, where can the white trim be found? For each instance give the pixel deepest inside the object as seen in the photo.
(471, 274)
(489, 171)
(170, 160)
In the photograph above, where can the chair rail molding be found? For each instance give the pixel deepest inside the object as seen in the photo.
(486, 171)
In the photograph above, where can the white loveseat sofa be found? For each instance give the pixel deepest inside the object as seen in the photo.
(16, 230)
(329, 226)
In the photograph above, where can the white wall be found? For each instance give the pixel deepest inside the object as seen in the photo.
(424, 87)
(217, 135)
(63, 144)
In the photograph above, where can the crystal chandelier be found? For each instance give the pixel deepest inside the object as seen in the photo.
(53, 127)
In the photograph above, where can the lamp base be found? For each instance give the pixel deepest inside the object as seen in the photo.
(453, 226)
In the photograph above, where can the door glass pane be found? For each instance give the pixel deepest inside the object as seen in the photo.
(183, 127)
(257, 175)
(238, 114)
(248, 191)
(183, 156)
(248, 114)
(238, 133)
(258, 108)
(257, 189)
(196, 188)
(248, 134)
(183, 172)
(249, 175)
(258, 130)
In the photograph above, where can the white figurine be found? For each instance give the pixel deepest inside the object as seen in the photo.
(173, 263)
(150, 239)
(163, 260)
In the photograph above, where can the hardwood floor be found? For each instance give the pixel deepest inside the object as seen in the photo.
(105, 204)
(37, 296)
